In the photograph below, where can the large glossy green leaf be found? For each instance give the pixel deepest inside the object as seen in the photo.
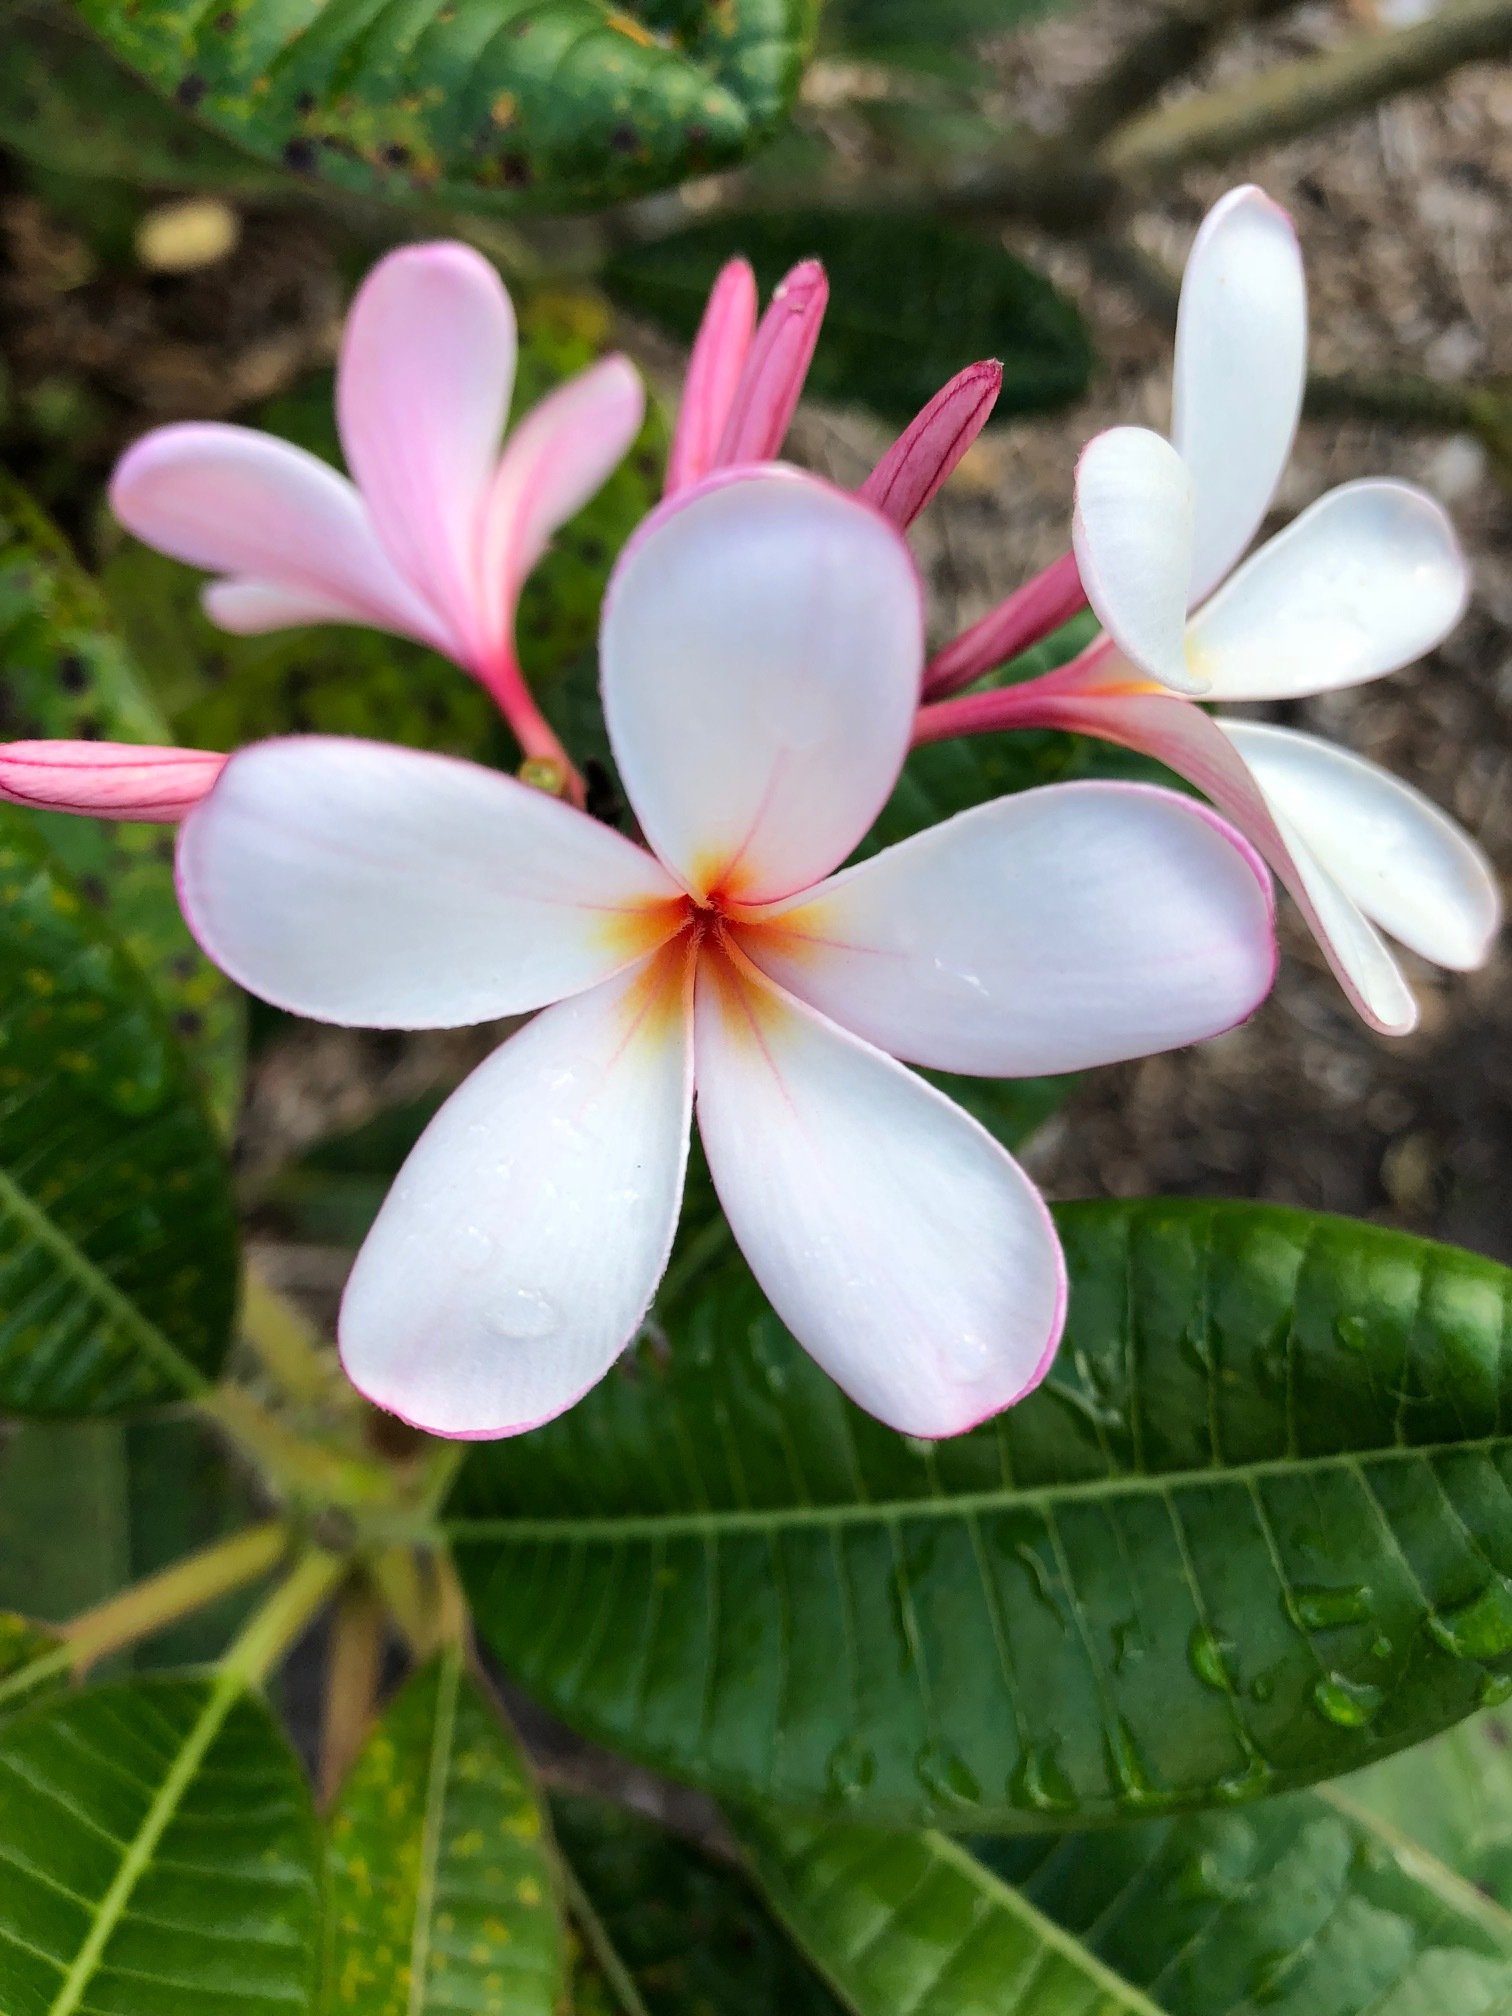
(1253, 1531)
(1296, 1907)
(667, 1930)
(888, 343)
(542, 104)
(67, 672)
(1453, 1796)
(439, 1880)
(159, 1855)
(117, 1235)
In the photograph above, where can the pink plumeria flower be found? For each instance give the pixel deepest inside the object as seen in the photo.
(1364, 582)
(745, 380)
(761, 656)
(437, 532)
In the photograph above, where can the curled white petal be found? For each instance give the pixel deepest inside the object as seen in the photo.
(1132, 533)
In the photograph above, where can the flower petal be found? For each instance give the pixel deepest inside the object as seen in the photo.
(523, 1239)
(107, 780)
(762, 646)
(242, 503)
(389, 889)
(719, 354)
(920, 462)
(1406, 864)
(253, 608)
(1365, 581)
(427, 366)
(1241, 364)
(1132, 533)
(776, 368)
(1066, 927)
(904, 1249)
(558, 457)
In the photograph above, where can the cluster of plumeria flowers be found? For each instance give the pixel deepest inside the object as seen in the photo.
(764, 675)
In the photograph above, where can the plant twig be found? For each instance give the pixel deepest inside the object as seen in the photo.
(288, 1347)
(353, 1672)
(189, 1585)
(1168, 50)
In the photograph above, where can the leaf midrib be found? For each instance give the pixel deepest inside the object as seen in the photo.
(871, 1511)
(438, 1772)
(224, 1694)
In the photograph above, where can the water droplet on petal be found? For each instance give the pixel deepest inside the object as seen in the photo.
(471, 1248)
(522, 1316)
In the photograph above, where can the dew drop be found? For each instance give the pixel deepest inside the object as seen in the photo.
(1348, 1704)
(942, 1773)
(851, 1769)
(1322, 1609)
(1353, 1332)
(1128, 1645)
(1040, 1783)
(1206, 1655)
(1203, 1878)
(1479, 1629)
(1039, 1577)
(1495, 1689)
(1263, 1686)
(1135, 1784)
(523, 1317)
(1253, 1782)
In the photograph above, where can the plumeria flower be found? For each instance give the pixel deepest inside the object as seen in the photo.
(761, 656)
(436, 532)
(1364, 582)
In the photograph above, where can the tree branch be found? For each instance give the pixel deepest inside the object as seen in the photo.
(1170, 49)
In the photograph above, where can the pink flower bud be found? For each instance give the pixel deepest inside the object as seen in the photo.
(772, 382)
(107, 780)
(914, 469)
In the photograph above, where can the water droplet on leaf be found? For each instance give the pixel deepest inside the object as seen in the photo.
(1321, 1609)
(1348, 1704)
(943, 1774)
(851, 1768)
(1206, 1656)
(1353, 1332)
(1479, 1629)
(1040, 1783)
(1135, 1784)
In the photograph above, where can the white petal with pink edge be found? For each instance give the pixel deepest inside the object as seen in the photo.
(1132, 535)
(523, 1239)
(904, 1249)
(422, 390)
(242, 503)
(390, 889)
(558, 457)
(762, 650)
(1366, 580)
(1241, 365)
(1060, 929)
(1407, 865)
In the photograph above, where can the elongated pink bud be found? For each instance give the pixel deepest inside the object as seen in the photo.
(1026, 618)
(720, 350)
(107, 780)
(912, 472)
(772, 381)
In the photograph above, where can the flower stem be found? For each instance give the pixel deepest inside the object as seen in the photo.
(293, 1464)
(539, 743)
(288, 1347)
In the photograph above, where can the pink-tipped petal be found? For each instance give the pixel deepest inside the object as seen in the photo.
(1025, 619)
(521, 1244)
(1133, 537)
(775, 369)
(1408, 866)
(1241, 366)
(1067, 927)
(1364, 582)
(389, 889)
(107, 780)
(427, 367)
(904, 1249)
(558, 457)
(240, 503)
(761, 651)
(719, 355)
(915, 469)
(254, 608)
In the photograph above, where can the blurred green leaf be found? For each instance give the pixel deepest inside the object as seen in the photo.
(1252, 1532)
(22, 1645)
(915, 27)
(911, 303)
(67, 673)
(439, 1883)
(511, 104)
(1295, 1907)
(117, 1235)
(160, 1856)
(670, 1931)
(1453, 1797)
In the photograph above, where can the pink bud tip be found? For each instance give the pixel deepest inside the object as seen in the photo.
(107, 780)
(720, 350)
(1025, 619)
(912, 472)
(776, 369)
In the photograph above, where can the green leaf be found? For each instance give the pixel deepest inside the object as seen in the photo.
(439, 1883)
(24, 1647)
(511, 104)
(893, 27)
(886, 345)
(69, 674)
(1452, 1796)
(668, 1930)
(1253, 1531)
(1297, 1907)
(117, 1234)
(159, 1853)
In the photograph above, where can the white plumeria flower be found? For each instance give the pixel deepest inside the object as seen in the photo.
(437, 534)
(1364, 582)
(762, 652)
